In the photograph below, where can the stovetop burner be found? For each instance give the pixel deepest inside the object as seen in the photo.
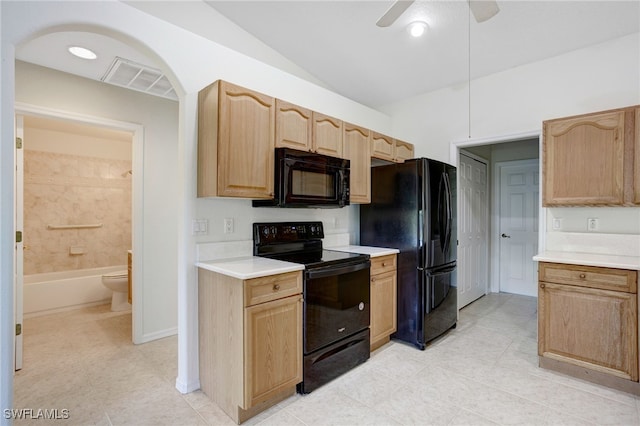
(298, 242)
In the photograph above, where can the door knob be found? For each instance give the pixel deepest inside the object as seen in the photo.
(505, 235)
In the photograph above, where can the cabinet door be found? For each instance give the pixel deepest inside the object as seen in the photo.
(404, 151)
(273, 348)
(246, 132)
(636, 159)
(583, 160)
(382, 147)
(293, 126)
(589, 327)
(327, 135)
(383, 305)
(357, 145)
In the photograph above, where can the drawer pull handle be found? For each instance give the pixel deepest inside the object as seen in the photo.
(541, 285)
(276, 287)
(373, 279)
(384, 264)
(583, 276)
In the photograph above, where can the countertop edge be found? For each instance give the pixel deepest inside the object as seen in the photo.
(589, 259)
(371, 251)
(271, 267)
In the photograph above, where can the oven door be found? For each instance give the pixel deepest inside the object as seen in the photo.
(314, 181)
(337, 303)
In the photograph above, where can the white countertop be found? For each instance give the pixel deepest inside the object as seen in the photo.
(249, 267)
(590, 259)
(371, 251)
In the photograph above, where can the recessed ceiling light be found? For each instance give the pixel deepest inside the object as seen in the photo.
(417, 28)
(82, 52)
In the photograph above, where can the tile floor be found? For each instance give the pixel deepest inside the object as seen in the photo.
(483, 372)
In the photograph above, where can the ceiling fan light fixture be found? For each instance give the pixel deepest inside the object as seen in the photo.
(82, 52)
(417, 28)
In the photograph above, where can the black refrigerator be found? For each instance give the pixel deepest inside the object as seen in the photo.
(413, 209)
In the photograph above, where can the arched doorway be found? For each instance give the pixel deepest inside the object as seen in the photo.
(85, 102)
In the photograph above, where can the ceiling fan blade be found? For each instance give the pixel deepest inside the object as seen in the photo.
(394, 12)
(483, 9)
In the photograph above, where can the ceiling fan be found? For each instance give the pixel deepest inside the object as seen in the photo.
(482, 10)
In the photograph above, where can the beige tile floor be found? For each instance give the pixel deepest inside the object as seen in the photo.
(483, 372)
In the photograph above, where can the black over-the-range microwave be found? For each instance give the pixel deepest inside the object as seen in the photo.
(307, 179)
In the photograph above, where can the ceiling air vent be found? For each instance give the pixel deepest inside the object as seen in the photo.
(134, 76)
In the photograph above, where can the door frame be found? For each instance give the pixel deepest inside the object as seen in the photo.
(454, 152)
(495, 239)
(18, 261)
(137, 194)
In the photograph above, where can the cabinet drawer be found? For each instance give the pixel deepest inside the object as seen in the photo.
(382, 264)
(589, 276)
(272, 287)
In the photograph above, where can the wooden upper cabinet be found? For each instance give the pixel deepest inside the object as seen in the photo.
(327, 135)
(636, 159)
(306, 130)
(357, 151)
(382, 147)
(387, 148)
(404, 151)
(293, 126)
(584, 160)
(236, 134)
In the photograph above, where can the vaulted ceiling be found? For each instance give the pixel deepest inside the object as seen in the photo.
(338, 45)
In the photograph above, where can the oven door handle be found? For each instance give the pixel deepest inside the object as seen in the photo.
(328, 271)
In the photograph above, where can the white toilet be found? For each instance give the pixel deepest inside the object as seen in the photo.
(118, 283)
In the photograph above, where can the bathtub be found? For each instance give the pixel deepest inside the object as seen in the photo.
(59, 291)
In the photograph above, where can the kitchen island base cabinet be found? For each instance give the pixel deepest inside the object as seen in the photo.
(588, 321)
(250, 354)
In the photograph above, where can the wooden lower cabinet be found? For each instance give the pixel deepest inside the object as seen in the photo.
(250, 353)
(588, 318)
(383, 299)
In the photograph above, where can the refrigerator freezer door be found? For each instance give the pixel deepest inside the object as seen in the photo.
(441, 304)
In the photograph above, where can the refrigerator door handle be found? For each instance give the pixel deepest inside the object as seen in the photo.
(442, 272)
(444, 212)
(449, 218)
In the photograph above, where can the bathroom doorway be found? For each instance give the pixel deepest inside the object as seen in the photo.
(80, 196)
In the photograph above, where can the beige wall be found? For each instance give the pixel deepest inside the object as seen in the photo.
(61, 188)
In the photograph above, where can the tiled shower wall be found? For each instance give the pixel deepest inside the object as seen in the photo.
(63, 189)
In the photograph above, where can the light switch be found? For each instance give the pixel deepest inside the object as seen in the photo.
(199, 227)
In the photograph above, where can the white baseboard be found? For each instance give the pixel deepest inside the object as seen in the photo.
(187, 387)
(150, 337)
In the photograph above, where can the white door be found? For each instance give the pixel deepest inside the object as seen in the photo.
(18, 217)
(518, 230)
(473, 223)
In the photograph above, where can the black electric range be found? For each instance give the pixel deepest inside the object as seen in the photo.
(336, 293)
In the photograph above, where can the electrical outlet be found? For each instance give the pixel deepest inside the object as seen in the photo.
(557, 224)
(228, 225)
(592, 224)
